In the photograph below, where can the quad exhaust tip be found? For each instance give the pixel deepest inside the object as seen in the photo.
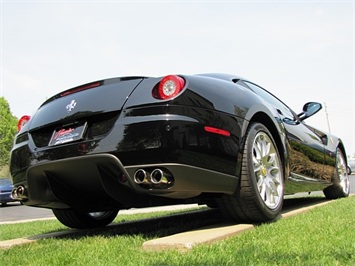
(19, 193)
(141, 177)
(160, 177)
(157, 177)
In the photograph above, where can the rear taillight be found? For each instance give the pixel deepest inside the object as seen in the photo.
(23, 120)
(81, 88)
(169, 87)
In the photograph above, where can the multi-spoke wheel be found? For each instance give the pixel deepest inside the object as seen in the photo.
(259, 197)
(266, 165)
(341, 183)
(77, 219)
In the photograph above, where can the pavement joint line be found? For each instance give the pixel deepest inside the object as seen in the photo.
(184, 241)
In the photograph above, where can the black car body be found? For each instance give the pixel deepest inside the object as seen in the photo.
(213, 139)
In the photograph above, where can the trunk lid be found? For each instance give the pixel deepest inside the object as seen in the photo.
(87, 100)
(90, 109)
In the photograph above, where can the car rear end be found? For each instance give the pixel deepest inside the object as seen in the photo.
(114, 143)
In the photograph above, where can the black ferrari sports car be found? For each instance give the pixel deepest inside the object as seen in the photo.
(132, 142)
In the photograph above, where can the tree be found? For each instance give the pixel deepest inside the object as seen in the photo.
(8, 129)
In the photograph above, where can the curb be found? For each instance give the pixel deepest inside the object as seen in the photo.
(187, 240)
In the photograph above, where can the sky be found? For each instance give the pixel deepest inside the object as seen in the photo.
(301, 51)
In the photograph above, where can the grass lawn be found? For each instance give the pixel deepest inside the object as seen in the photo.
(321, 236)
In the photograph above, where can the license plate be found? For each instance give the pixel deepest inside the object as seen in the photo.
(68, 134)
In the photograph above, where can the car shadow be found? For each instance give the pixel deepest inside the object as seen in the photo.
(176, 223)
(153, 227)
(302, 202)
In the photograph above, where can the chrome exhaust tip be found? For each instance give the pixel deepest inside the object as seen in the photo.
(141, 177)
(19, 193)
(158, 176)
(14, 194)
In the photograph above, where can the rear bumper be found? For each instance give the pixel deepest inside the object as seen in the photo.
(99, 182)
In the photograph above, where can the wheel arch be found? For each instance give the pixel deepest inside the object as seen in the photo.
(342, 148)
(264, 119)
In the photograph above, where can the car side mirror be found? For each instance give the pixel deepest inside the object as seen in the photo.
(310, 109)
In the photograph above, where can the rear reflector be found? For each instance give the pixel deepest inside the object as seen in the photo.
(217, 131)
(81, 88)
(23, 120)
(169, 87)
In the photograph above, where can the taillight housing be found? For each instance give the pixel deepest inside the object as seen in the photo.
(168, 87)
(23, 120)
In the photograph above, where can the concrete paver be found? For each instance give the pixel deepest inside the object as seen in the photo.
(187, 240)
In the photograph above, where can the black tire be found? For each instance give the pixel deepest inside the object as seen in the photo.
(341, 184)
(77, 219)
(259, 198)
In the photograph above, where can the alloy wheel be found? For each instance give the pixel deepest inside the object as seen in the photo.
(342, 172)
(266, 165)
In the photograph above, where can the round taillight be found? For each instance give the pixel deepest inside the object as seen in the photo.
(23, 120)
(169, 87)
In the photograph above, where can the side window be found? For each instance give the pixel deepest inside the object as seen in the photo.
(274, 101)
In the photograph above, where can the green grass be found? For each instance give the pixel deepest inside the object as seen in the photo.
(321, 236)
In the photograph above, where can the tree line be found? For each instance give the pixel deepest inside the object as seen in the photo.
(8, 129)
